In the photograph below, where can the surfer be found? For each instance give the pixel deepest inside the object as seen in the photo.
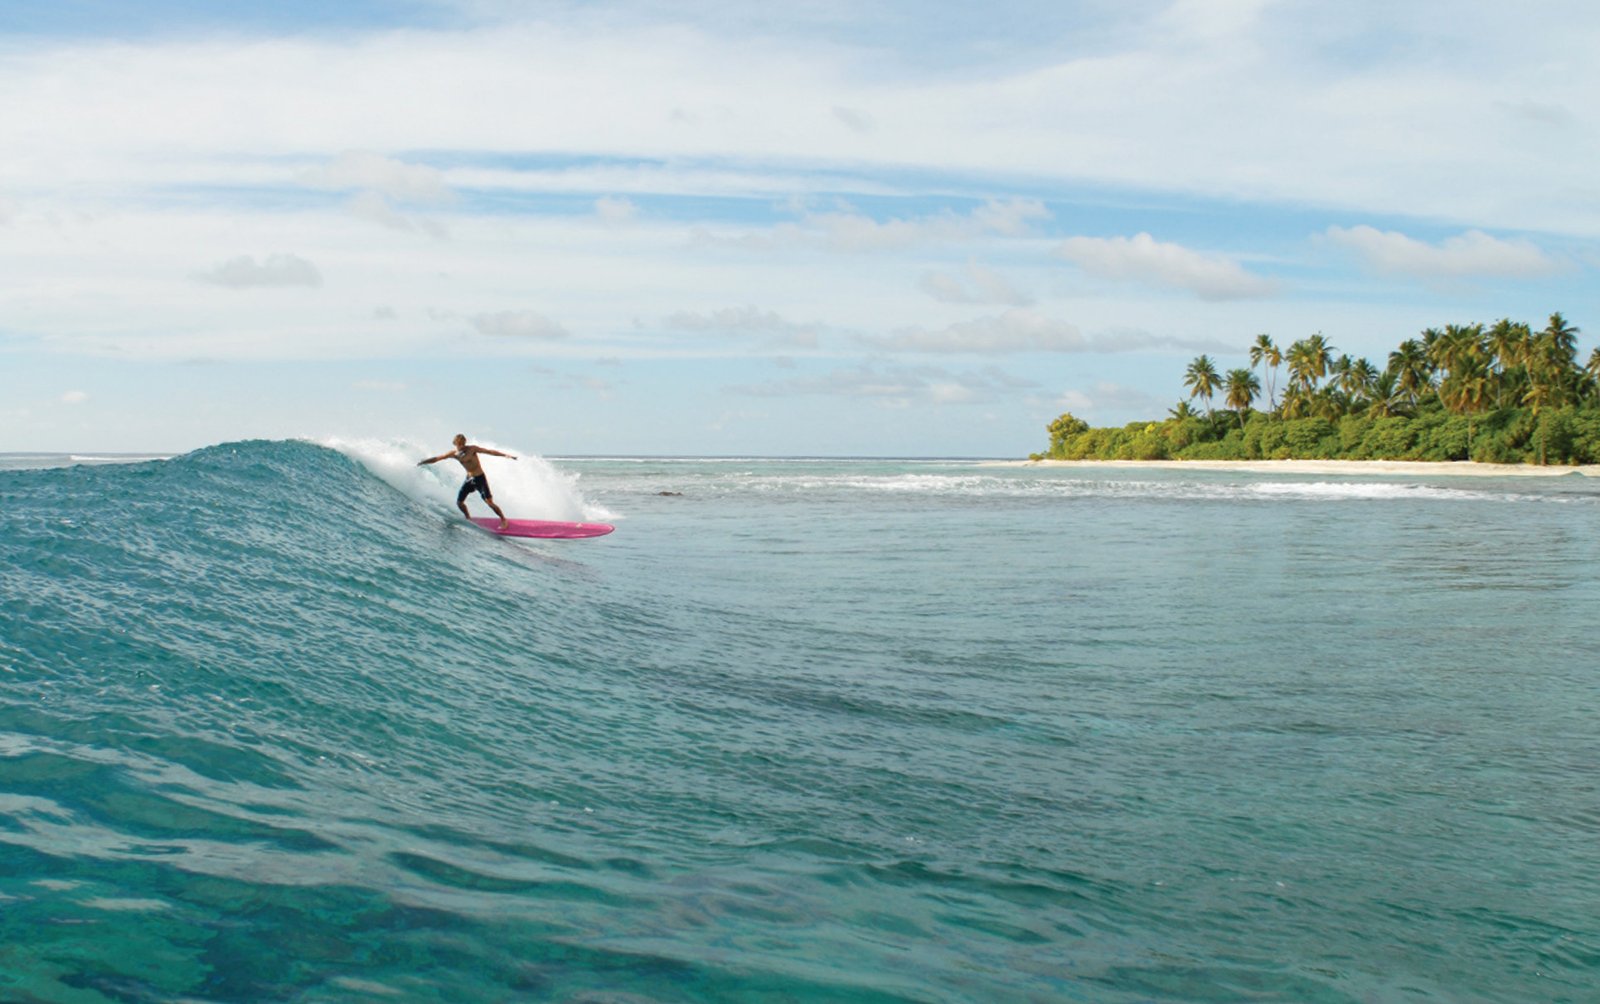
(466, 454)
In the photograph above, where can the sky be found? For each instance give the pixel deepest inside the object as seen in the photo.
(918, 229)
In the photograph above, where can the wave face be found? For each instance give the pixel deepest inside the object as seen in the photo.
(276, 725)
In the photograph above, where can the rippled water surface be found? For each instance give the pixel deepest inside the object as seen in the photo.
(276, 726)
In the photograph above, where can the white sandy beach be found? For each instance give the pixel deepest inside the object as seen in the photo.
(1388, 468)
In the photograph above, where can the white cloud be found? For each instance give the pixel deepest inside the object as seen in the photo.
(973, 284)
(1142, 258)
(374, 208)
(944, 287)
(1473, 253)
(386, 176)
(614, 210)
(1012, 331)
(846, 230)
(1213, 20)
(518, 324)
(1108, 397)
(1141, 340)
(566, 380)
(74, 397)
(1025, 330)
(1009, 217)
(898, 386)
(275, 270)
(854, 119)
(1250, 100)
(746, 320)
(851, 231)
(378, 181)
(1075, 400)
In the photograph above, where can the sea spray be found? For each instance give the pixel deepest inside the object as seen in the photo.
(528, 487)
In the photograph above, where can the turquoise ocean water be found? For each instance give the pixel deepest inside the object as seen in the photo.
(276, 726)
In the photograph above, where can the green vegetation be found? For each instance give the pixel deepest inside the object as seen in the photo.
(1503, 394)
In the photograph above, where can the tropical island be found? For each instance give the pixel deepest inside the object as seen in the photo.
(1498, 394)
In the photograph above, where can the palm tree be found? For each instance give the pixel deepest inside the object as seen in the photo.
(1264, 351)
(1509, 347)
(1363, 376)
(1319, 352)
(1353, 378)
(1540, 395)
(1468, 388)
(1386, 395)
(1463, 352)
(1409, 364)
(1429, 337)
(1456, 341)
(1562, 337)
(1592, 372)
(1507, 341)
(1309, 359)
(1296, 401)
(1299, 378)
(1242, 390)
(1553, 361)
(1330, 402)
(1182, 411)
(1202, 380)
(1339, 372)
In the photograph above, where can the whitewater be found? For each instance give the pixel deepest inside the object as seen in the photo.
(276, 725)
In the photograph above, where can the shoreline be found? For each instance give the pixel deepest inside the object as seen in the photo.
(1392, 468)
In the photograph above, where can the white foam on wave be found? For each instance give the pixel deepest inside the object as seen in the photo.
(1335, 490)
(116, 458)
(888, 483)
(983, 485)
(529, 487)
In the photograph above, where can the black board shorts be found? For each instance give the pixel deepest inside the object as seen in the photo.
(476, 483)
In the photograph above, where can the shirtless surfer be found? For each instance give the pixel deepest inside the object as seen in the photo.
(466, 455)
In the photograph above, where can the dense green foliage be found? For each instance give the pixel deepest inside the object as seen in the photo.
(1503, 394)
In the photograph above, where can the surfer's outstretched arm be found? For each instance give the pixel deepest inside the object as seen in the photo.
(494, 453)
(435, 460)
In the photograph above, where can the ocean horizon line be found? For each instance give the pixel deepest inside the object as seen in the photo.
(703, 457)
(1413, 468)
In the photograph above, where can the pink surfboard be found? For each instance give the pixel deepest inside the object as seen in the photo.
(551, 529)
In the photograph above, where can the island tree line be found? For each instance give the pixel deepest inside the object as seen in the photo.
(1502, 393)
